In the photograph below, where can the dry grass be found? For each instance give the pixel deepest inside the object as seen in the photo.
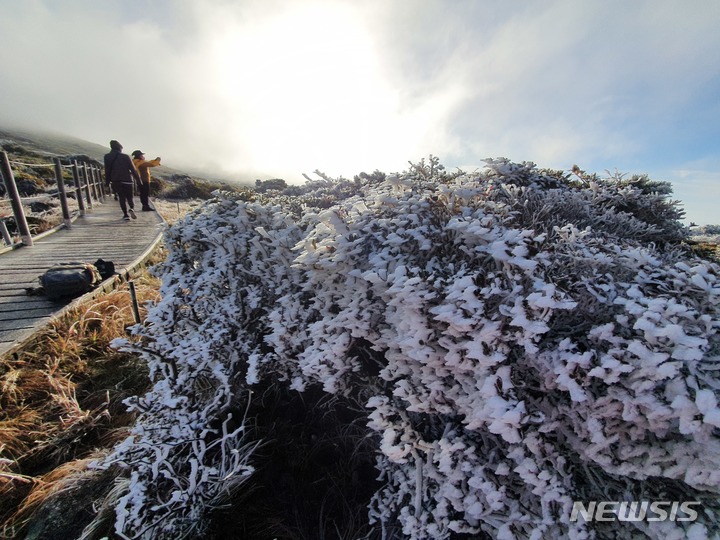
(705, 248)
(61, 399)
(61, 395)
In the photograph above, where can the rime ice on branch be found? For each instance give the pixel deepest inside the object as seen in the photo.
(529, 339)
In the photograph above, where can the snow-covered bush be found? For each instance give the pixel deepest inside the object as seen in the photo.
(707, 230)
(706, 233)
(521, 341)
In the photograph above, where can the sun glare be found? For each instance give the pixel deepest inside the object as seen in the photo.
(304, 87)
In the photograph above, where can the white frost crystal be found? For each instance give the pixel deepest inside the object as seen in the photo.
(538, 342)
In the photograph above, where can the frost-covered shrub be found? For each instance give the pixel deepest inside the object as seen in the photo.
(636, 208)
(706, 233)
(273, 184)
(520, 342)
(707, 230)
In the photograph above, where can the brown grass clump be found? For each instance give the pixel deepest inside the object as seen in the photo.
(61, 405)
(706, 249)
(61, 400)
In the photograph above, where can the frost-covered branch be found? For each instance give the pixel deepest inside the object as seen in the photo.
(534, 342)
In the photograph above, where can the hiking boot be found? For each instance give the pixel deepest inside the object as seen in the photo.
(132, 213)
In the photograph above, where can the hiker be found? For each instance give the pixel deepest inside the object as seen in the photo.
(120, 171)
(143, 168)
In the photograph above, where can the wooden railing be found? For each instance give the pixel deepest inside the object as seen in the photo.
(87, 186)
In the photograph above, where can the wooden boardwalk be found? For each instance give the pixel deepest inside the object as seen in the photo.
(100, 234)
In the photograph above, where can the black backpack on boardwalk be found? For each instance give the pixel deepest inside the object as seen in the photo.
(106, 268)
(68, 280)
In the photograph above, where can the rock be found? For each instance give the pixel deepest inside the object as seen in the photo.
(40, 207)
(69, 509)
(26, 187)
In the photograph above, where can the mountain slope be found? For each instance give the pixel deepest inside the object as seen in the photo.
(51, 143)
(168, 181)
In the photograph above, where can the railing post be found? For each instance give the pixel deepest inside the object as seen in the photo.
(87, 188)
(78, 189)
(98, 179)
(5, 233)
(62, 194)
(133, 298)
(17, 207)
(96, 183)
(89, 183)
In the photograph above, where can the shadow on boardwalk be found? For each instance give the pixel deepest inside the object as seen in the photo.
(100, 234)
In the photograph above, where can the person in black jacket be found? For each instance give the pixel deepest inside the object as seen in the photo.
(120, 172)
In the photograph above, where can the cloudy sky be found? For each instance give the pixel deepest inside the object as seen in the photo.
(268, 88)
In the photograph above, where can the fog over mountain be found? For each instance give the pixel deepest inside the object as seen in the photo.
(267, 89)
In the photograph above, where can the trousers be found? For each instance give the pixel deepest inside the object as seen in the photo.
(125, 196)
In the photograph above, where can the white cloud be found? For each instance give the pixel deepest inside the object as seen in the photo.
(697, 186)
(273, 88)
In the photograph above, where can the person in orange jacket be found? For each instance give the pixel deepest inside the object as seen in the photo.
(143, 167)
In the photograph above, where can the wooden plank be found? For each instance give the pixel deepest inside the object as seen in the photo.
(20, 324)
(35, 312)
(10, 337)
(19, 285)
(10, 295)
(11, 307)
(100, 234)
